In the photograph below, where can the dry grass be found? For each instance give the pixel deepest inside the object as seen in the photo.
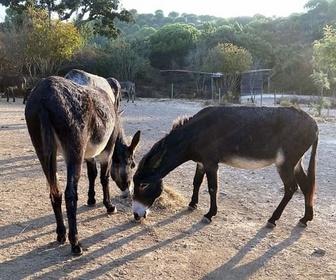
(170, 200)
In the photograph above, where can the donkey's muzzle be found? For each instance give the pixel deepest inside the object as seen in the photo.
(136, 216)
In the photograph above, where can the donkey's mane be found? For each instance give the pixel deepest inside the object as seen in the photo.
(180, 121)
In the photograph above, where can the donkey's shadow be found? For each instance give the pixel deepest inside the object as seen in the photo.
(232, 269)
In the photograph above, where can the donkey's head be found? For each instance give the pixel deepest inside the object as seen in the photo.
(144, 195)
(123, 163)
(148, 184)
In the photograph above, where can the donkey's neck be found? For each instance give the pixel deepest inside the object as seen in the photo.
(176, 153)
(121, 139)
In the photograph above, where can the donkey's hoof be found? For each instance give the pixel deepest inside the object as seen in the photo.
(76, 250)
(206, 220)
(192, 207)
(61, 239)
(302, 224)
(112, 210)
(270, 224)
(91, 205)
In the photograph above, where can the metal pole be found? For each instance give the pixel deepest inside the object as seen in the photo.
(212, 88)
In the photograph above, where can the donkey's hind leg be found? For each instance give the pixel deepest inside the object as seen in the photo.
(9, 90)
(128, 96)
(55, 196)
(198, 179)
(13, 93)
(71, 198)
(49, 166)
(302, 179)
(92, 174)
(56, 202)
(212, 177)
(287, 176)
(132, 96)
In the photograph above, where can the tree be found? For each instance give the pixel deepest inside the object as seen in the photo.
(324, 50)
(324, 57)
(13, 42)
(159, 16)
(173, 15)
(125, 63)
(321, 81)
(324, 62)
(145, 32)
(195, 60)
(228, 58)
(171, 43)
(41, 46)
(231, 61)
(102, 13)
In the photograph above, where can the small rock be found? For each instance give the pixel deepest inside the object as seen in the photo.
(318, 252)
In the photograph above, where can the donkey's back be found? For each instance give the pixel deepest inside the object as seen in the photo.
(251, 137)
(87, 79)
(73, 114)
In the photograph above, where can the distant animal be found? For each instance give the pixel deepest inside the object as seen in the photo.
(128, 88)
(116, 87)
(244, 137)
(81, 123)
(10, 82)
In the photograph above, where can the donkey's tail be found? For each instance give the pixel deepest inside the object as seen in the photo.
(311, 174)
(49, 154)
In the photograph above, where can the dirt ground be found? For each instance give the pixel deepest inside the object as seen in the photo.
(172, 243)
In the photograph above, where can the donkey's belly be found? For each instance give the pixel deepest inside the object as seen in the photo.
(100, 136)
(95, 146)
(94, 149)
(248, 163)
(254, 163)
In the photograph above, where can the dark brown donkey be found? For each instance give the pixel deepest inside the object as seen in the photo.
(81, 123)
(244, 137)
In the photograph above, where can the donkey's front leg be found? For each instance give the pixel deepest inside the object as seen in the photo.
(212, 186)
(92, 174)
(104, 179)
(198, 179)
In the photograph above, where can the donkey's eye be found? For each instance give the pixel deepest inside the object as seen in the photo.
(143, 185)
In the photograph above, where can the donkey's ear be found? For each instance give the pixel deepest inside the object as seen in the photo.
(135, 141)
(155, 160)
